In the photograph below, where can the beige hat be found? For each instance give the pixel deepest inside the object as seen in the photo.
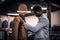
(22, 7)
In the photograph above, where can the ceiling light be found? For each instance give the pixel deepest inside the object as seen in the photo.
(13, 14)
(24, 11)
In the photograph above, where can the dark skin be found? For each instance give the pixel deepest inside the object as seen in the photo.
(37, 13)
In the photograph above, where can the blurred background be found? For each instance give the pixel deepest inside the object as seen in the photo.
(51, 9)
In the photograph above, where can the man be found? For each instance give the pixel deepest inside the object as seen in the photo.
(41, 30)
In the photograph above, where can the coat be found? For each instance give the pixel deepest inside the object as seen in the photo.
(18, 29)
(41, 30)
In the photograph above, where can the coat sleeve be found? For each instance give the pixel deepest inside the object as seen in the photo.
(43, 22)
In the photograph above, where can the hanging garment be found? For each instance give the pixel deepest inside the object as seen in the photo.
(4, 24)
(11, 24)
(18, 29)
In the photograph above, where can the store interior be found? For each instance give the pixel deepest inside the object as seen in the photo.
(8, 9)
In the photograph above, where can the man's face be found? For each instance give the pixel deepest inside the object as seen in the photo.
(38, 13)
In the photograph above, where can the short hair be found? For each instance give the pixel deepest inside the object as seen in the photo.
(37, 8)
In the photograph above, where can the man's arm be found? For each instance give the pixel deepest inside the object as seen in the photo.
(39, 25)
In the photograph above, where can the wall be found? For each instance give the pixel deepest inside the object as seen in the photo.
(55, 18)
